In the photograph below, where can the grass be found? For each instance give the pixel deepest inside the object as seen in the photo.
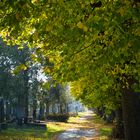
(80, 114)
(104, 129)
(22, 134)
(55, 128)
(28, 133)
(32, 133)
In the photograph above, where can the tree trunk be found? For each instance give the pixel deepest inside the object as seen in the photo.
(118, 131)
(20, 109)
(47, 109)
(34, 109)
(67, 107)
(26, 94)
(1, 110)
(53, 108)
(61, 108)
(41, 111)
(8, 110)
(34, 113)
(26, 108)
(131, 114)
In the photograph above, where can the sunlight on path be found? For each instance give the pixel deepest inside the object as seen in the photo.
(78, 133)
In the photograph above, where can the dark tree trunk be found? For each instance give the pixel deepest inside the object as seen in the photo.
(53, 108)
(8, 110)
(19, 121)
(24, 56)
(20, 109)
(1, 110)
(34, 114)
(67, 108)
(61, 108)
(41, 111)
(47, 109)
(131, 114)
(26, 109)
(34, 109)
(118, 131)
(20, 115)
(26, 103)
(100, 112)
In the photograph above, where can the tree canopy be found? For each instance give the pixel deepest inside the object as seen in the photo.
(93, 41)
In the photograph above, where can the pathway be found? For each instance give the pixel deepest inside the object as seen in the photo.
(82, 129)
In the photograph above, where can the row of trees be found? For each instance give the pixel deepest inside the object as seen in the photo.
(25, 91)
(94, 44)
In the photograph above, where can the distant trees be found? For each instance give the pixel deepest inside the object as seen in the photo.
(13, 83)
(24, 90)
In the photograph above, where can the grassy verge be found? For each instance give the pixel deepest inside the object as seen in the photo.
(55, 128)
(103, 128)
(28, 133)
(80, 114)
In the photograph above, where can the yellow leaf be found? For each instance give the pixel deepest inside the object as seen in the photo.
(122, 11)
(35, 35)
(82, 26)
(23, 67)
(19, 68)
(85, 28)
(137, 31)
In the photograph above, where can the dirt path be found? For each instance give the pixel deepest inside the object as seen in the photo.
(79, 129)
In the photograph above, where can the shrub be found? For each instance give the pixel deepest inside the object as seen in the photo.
(73, 114)
(58, 117)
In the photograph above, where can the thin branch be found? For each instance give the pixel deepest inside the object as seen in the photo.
(79, 51)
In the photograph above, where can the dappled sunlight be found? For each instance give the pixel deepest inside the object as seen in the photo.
(77, 133)
(79, 128)
(84, 127)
